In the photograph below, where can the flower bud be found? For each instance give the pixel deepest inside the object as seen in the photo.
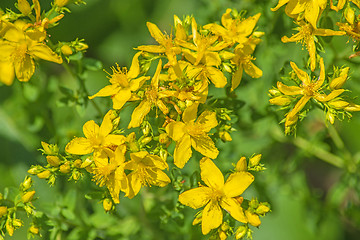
(241, 165)
(253, 218)
(24, 7)
(44, 175)
(27, 197)
(26, 184)
(77, 163)
(86, 163)
(225, 136)
(34, 230)
(254, 161)
(262, 209)
(76, 175)
(9, 227)
(61, 3)
(53, 160)
(66, 50)
(338, 104)
(80, 46)
(280, 101)
(338, 82)
(65, 168)
(35, 170)
(107, 204)
(163, 154)
(241, 232)
(146, 129)
(3, 211)
(352, 107)
(330, 117)
(274, 92)
(17, 223)
(349, 14)
(146, 140)
(224, 226)
(163, 138)
(50, 149)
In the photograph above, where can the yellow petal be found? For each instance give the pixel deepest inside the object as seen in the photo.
(204, 145)
(303, 76)
(44, 52)
(134, 184)
(7, 73)
(91, 129)
(135, 67)
(312, 12)
(253, 218)
(151, 48)
(106, 125)
(156, 161)
(330, 96)
(207, 120)
(120, 98)
(135, 84)
(114, 139)
(216, 77)
(24, 69)
(155, 32)
(212, 217)
(234, 208)
(236, 78)
(182, 152)
(226, 19)
(289, 90)
(252, 70)
(298, 107)
(79, 146)
(108, 90)
(195, 198)
(237, 183)
(161, 179)
(210, 174)
(175, 130)
(280, 4)
(139, 114)
(190, 113)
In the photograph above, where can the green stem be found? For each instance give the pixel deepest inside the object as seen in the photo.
(82, 84)
(311, 148)
(339, 143)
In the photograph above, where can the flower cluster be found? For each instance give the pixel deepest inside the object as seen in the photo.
(170, 106)
(306, 90)
(24, 39)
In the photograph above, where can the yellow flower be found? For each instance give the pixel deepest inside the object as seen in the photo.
(97, 139)
(243, 60)
(217, 195)
(17, 54)
(123, 84)
(146, 171)
(166, 46)
(234, 30)
(308, 89)
(110, 172)
(306, 36)
(152, 97)
(189, 134)
(310, 9)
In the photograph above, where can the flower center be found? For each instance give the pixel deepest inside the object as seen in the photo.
(102, 173)
(20, 52)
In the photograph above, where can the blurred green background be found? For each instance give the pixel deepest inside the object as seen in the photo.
(308, 196)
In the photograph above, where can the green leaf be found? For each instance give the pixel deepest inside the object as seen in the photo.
(92, 64)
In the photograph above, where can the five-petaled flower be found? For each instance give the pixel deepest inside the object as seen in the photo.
(97, 140)
(123, 84)
(191, 133)
(217, 195)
